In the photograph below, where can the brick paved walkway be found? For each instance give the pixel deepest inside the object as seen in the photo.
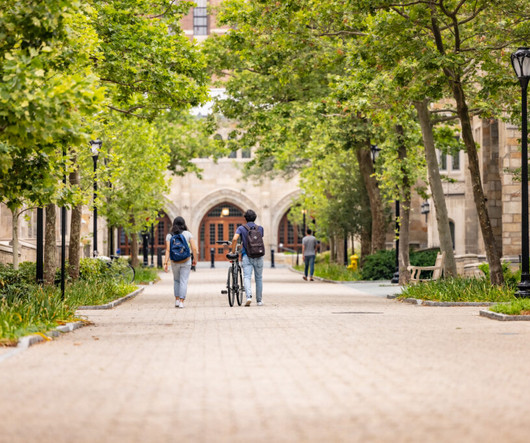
(319, 362)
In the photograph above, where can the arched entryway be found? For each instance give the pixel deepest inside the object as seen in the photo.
(289, 235)
(220, 223)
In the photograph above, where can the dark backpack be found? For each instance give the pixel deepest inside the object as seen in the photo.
(254, 247)
(178, 248)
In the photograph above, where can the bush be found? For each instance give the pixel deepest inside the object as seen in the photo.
(16, 284)
(323, 257)
(426, 257)
(458, 289)
(511, 279)
(379, 266)
(520, 306)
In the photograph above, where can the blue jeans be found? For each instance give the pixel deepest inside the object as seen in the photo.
(181, 274)
(248, 264)
(309, 261)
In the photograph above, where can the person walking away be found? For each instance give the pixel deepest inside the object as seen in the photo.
(181, 249)
(251, 255)
(309, 246)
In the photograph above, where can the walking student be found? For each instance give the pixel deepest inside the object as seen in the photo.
(309, 247)
(181, 249)
(252, 255)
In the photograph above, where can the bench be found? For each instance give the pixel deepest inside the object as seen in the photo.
(437, 270)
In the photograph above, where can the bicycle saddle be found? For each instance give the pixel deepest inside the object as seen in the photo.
(231, 255)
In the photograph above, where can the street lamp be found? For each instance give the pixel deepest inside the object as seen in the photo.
(95, 147)
(521, 65)
(375, 150)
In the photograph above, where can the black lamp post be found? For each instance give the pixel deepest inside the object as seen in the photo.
(521, 65)
(425, 209)
(395, 278)
(95, 146)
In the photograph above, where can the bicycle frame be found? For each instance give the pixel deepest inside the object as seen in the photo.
(234, 282)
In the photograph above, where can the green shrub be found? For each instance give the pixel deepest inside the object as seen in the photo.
(323, 257)
(426, 257)
(16, 284)
(520, 306)
(333, 271)
(379, 266)
(511, 279)
(459, 289)
(145, 275)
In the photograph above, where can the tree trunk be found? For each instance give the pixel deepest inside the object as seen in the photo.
(492, 254)
(50, 245)
(404, 255)
(364, 158)
(366, 244)
(435, 183)
(462, 110)
(74, 248)
(134, 250)
(15, 242)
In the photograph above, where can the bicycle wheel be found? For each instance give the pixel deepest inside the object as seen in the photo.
(241, 288)
(229, 288)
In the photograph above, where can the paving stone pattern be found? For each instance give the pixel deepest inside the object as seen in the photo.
(319, 362)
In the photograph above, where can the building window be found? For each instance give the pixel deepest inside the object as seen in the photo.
(245, 153)
(456, 161)
(443, 161)
(200, 18)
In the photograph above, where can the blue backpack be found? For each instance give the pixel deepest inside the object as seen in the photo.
(178, 248)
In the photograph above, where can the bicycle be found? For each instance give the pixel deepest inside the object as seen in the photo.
(119, 268)
(234, 280)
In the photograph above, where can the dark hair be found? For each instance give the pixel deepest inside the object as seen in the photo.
(179, 225)
(250, 215)
(309, 232)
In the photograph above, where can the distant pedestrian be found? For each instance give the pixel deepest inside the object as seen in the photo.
(179, 239)
(309, 247)
(252, 255)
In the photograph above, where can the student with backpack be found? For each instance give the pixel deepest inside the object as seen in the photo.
(251, 255)
(182, 251)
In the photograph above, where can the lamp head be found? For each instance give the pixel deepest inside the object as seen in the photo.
(95, 147)
(375, 152)
(425, 207)
(521, 63)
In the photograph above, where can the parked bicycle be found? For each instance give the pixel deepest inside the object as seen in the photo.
(119, 268)
(234, 281)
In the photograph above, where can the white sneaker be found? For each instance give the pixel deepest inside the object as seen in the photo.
(260, 303)
(181, 305)
(176, 303)
(249, 300)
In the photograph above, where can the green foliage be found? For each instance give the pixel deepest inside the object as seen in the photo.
(520, 306)
(145, 275)
(26, 307)
(424, 258)
(333, 271)
(511, 278)
(459, 289)
(379, 266)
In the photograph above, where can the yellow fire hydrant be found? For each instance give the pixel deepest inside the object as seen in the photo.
(354, 261)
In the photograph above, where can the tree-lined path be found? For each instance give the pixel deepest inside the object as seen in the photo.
(317, 362)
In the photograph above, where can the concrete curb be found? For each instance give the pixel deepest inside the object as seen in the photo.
(503, 317)
(30, 340)
(114, 303)
(416, 301)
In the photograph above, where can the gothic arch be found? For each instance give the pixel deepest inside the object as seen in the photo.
(280, 209)
(215, 198)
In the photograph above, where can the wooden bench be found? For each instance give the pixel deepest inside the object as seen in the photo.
(437, 270)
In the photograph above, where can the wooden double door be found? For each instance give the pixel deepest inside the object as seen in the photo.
(218, 226)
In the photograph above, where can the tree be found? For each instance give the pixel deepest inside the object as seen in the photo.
(136, 168)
